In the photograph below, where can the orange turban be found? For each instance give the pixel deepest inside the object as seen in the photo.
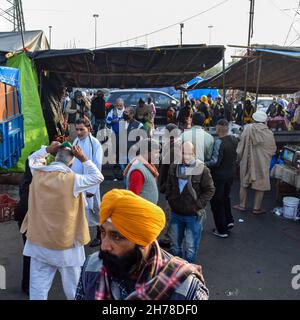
(204, 99)
(138, 220)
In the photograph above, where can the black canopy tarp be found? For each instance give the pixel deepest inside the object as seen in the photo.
(128, 67)
(276, 68)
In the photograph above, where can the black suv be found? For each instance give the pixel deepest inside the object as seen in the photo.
(161, 100)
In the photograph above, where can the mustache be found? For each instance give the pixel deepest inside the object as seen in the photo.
(121, 267)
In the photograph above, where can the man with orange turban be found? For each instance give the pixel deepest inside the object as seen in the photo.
(131, 265)
(204, 108)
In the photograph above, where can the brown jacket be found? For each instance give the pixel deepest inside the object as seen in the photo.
(184, 203)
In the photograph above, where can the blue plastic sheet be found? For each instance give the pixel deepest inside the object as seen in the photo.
(9, 76)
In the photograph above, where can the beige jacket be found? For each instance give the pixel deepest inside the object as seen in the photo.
(255, 150)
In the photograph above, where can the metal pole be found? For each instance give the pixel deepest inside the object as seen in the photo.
(224, 85)
(258, 80)
(181, 27)
(95, 33)
(210, 28)
(96, 16)
(250, 33)
(50, 36)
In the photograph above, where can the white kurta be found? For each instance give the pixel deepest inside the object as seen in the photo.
(74, 257)
(92, 148)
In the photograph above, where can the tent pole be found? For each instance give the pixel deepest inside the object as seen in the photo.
(224, 85)
(41, 79)
(250, 34)
(258, 80)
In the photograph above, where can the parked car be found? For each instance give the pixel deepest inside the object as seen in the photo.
(161, 100)
(264, 102)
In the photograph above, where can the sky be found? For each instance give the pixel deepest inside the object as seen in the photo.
(73, 23)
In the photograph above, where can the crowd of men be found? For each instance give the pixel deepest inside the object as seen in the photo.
(188, 166)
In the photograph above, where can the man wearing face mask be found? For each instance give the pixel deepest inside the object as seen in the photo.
(131, 265)
(130, 125)
(55, 224)
(93, 150)
(189, 188)
(75, 110)
(113, 121)
(141, 173)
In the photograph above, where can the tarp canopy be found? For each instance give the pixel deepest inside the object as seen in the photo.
(279, 69)
(12, 41)
(128, 67)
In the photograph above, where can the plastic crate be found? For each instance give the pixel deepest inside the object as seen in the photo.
(8, 208)
(11, 141)
(7, 212)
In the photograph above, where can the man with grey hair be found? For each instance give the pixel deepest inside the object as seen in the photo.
(222, 166)
(130, 125)
(55, 224)
(189, 188)
(113, 120)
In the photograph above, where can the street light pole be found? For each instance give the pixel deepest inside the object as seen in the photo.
(96, 16)
(181, 27)
(50, 36)
(210, 27)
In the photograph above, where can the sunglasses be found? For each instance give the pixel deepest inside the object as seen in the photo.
(79, 129)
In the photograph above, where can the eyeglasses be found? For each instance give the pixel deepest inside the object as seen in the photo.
(79, 129)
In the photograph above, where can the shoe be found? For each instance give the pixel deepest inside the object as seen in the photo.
(95, 243)
(220, 235)
(230, 225)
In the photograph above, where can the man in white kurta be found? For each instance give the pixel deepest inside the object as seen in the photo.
(91, 147)
(42, 236)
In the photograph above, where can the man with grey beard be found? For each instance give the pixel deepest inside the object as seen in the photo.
(55, 224)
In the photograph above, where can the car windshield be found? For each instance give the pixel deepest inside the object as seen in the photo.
(264, 103)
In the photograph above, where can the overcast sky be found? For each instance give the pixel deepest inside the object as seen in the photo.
(73, 21)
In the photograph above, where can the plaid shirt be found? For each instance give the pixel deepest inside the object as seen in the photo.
(160, 277)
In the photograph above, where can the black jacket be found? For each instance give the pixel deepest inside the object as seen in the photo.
(98, 108)
(133, 125)
(183, 203)
(223, 161)
(22, 207)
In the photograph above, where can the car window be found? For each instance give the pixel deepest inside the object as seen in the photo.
(265, 103)
(135, 97)
(116, 95)
(162, 100)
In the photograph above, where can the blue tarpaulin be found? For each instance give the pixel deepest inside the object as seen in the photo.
(196, 94)
(9, 76)
(284, 53)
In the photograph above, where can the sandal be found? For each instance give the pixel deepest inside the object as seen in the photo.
(259, 211)
(239, 208)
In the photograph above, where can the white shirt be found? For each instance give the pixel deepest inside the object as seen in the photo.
(92, 148)
(73, 257)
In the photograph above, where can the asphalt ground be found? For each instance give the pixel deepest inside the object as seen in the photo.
(255, 262)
